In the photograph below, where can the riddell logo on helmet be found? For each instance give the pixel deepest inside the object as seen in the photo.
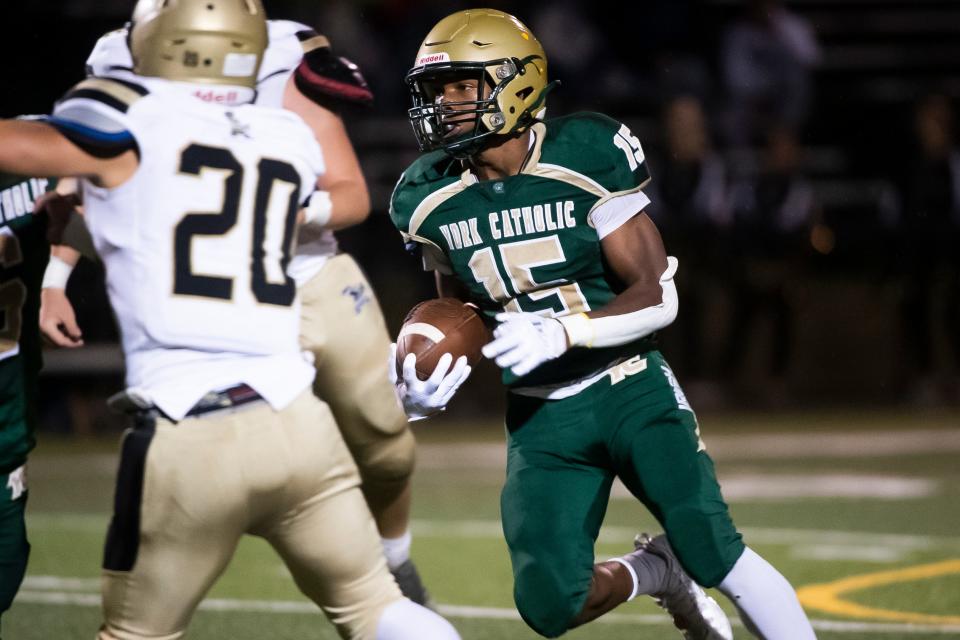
(432, 58)
(209, 95)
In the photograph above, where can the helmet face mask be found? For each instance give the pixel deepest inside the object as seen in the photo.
(495, 51)
(439, 122)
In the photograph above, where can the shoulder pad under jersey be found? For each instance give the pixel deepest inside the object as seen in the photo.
(326, 78)
(110, 54)
(426, 175)
(93, 115)
(597, 147)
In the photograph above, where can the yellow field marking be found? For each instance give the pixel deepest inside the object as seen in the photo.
(827, 596)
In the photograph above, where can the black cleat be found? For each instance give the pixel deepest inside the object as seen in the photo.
(411, 586)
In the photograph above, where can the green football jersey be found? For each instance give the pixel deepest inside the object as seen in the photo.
(528, 242)
(23, 257)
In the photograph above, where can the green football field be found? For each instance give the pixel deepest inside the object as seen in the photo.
(860, 510)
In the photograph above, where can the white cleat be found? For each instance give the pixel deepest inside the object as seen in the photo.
(694, 613)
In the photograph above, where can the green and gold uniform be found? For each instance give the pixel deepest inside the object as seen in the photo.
(23, 257)
(531, 242)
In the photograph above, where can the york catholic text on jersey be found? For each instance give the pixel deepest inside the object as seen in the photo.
(531, 242)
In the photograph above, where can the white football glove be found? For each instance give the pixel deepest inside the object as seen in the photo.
(524, 341)
(421, 399)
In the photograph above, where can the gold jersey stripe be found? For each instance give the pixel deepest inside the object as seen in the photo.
(115, 90)
(564, 174)
(435, 199)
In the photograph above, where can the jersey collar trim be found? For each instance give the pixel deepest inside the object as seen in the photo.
(538, 133)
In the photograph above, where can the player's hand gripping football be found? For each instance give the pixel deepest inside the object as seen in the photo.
(524, 341)
(423, 398)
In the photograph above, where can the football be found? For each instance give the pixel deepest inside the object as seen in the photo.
(439, 326)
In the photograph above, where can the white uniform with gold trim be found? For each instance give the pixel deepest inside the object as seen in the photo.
(342, 324)
(196, 243)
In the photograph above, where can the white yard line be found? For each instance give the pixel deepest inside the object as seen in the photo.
(739, 446)
(850, 553)
(458, 611)
(97, 523)
(722, 446)
(755, 535)
(755, 486)
(59, 583)
(860, 444)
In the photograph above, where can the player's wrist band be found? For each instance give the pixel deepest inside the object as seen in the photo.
(319, 209)
(57, 273)
(579, 330)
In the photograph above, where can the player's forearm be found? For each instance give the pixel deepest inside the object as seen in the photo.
(450, 287)
(76, 237)
(65, 253)
(639, 295)
(32, 148)
(636, 255)
(627, 317)
(351, 203)
(21, 149)
(342, 179)
(63, 257)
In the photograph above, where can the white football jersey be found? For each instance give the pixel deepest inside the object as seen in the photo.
(196, 243)
(282, 57)
(283, 54)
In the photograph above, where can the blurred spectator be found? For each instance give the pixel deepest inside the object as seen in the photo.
(767, 56)
(773, 212)
(930, 245)
(577, 40)
(580, 55)
(690, 204)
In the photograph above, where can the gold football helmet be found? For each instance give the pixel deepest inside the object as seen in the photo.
(502, 55)
(204, 41)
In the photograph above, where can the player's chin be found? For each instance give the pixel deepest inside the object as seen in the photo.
(457, 129)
